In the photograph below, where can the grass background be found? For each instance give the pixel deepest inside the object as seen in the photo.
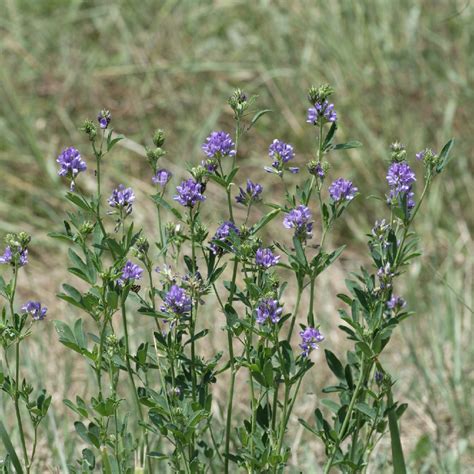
(401, 70)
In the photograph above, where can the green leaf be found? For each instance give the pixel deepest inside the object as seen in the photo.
(348, 145)
(335, 365)
(331, 404)
(265, 220)
(79, 201)
(397, 451)
(10, 449)
(162, 202)
(257, 116)
(366, 410)
(445, 156)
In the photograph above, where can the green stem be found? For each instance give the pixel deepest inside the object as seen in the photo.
(340, 435)
(295, 312)
(311, 302)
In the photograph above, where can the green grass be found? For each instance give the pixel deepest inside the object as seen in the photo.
(401, 70)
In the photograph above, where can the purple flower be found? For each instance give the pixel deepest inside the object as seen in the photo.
(396, 303)
(251, 194)
(223, 232)
(310, 338)
(342, 190)
(8, 257)
(281, 153)
(316, 169)
(219, 144)
(378, 376)
(189, 193)
(130, 272)
(385, 275)
(161, 177)
(71, 164)
(268, 309)
(34, 308)
(122, 198)
(265, 258)
(300, 219)
(321, 111)
(176, 302)
(400, 178)
(104, 117)
(210, 165)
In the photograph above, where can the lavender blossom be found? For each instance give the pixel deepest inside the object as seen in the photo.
(310, 337)
(8, 256)
(251, 194)
(130, 272)
(268, 309)
(396, 303)
(342, 190)
(322, 111)
(177, 302)
(71, 164)
(104, 117)
(122, 198)
(400, 178)
(300, 219)
(219, 144)
(161, 177)
(189, 193)
(386, 276)
(316, 169)
(34, 308)
(281, 153)
(265, 258)
(223, 232)
(210, 165)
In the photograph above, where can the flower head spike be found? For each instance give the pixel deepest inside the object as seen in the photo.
(265, 258)
(310, 337)
(122, 198)
(130, 272)
(251, 194)
(223, 232)
(189, 193)
(34, 308)
(161, 177)
(321, 112)
(400, 178)
(281, 154)
(300, 219)
(104, 117)
(71, 164)
(218, 145)
(177, 302)
(342, 190)
(396, 303)
(268, 309)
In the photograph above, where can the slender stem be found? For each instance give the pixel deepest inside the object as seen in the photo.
(347, 418)
(284, 416)
(295, 312)
(311, 302)
(130, 374)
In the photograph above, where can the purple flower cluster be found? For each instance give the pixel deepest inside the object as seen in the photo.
(189, 193)
(342, 190)
(266, 258)
(222, 234)
(316, 169)
(130, 272)
(400, 178)
(210, 165)
(281, 153)
(321, 111)
(34, 308)
(8, 257)
(251, 194)
(122, 198)
(219, 144)
(71, 164)
(300, 219)
(104, 117)
(268, 309)
(396, 303)
(176, 302)
(310, 338)
(386, 276)
(161, 177)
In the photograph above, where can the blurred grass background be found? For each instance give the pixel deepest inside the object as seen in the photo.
(401, 70)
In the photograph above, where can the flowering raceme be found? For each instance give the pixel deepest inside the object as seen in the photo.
(321, 111)
(122, 198)
(268, 309)
(300, 219)
(34, 308)
(281, 153)
(310, 337)
(130, 272)
(71, 164)
(161, 177)
(400, 178)
(342, 190)
(265, 258)
(251, 194)
(189, 193)
(222, 234)
(176, 302)
(219, 144)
